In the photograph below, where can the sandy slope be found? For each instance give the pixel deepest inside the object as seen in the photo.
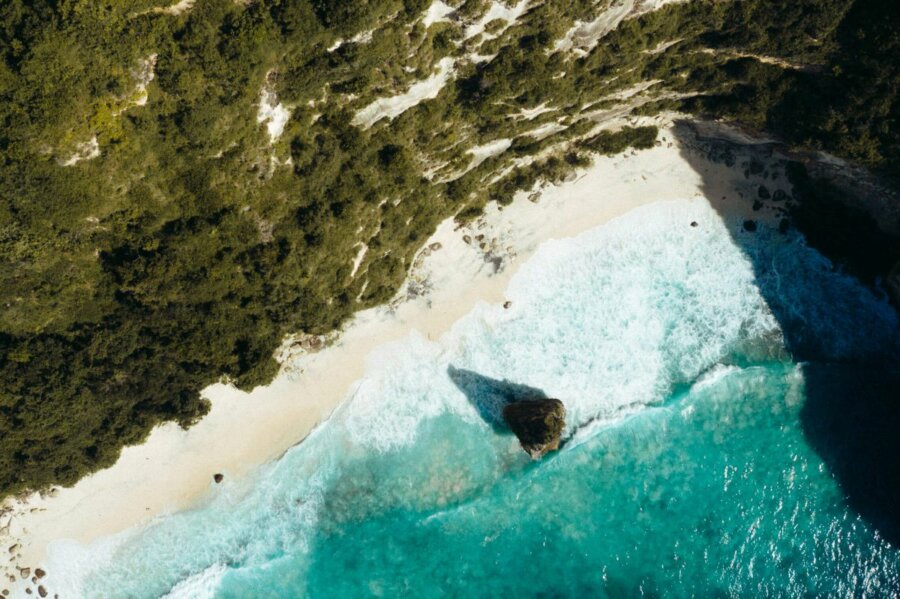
(175, 467)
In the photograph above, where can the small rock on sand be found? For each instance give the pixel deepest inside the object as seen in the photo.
(507, 305)
(218, 477)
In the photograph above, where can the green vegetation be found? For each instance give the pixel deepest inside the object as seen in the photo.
(841, 97)
(192, 244)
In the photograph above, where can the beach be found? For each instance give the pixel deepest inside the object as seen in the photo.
(488, 298)
(458, 268)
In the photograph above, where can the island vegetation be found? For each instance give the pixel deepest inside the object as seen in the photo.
(159, 231)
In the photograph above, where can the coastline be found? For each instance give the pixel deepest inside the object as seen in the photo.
(174, 468)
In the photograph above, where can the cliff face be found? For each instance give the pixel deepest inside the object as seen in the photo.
(848, 213)
(837, 214)
(184, 187)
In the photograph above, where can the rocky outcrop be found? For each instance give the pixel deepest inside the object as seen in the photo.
(309, 343)
(538, 424)
(833, 222)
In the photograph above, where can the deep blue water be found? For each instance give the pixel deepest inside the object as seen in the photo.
(696, 365)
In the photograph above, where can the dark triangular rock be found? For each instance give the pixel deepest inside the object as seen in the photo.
(537, 423)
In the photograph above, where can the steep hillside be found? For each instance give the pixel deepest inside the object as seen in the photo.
(185, 184)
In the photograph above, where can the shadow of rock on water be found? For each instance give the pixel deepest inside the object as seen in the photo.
(851, 419)
(849, 344)
(489, 396)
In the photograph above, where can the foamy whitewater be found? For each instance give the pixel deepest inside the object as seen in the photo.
(687, 468)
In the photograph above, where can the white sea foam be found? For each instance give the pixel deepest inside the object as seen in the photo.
(610, 322)
(199, 586)
(70, 565)
(607, 321)
(713, 376)
(406, 383)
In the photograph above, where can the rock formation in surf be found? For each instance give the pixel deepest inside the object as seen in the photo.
(537, 423)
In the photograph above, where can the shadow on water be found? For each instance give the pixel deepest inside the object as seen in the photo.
(851, 419)
(489, 396)
(851, 416)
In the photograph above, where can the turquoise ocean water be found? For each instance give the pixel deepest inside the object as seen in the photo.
(697, 365)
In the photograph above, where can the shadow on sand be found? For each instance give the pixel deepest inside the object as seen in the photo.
(851, 416)
(489, 396)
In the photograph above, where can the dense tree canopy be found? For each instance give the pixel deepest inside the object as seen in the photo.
(184, 242)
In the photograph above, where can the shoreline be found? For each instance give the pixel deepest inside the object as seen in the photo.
(174, 469)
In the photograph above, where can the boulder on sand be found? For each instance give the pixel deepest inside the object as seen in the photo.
(537, 423)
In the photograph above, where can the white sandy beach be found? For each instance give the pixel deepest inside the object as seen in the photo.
(175, 468)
